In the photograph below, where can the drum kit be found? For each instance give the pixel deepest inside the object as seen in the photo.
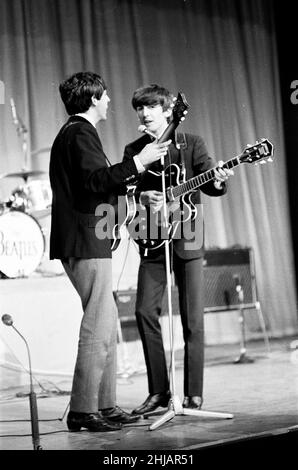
(24, 216)
(22, 237)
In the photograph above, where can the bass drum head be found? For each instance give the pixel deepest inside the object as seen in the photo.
(22, 244)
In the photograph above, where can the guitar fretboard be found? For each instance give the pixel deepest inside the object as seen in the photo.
(199, 180)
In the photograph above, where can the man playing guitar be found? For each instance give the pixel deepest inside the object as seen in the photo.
(153, 105)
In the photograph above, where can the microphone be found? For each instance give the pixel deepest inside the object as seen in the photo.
(14, 112)
(143, 129)
(236, 280)
(165, 136)
(238, 287)
(8, 321)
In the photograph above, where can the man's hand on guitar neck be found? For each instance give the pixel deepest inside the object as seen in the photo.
(221, 174)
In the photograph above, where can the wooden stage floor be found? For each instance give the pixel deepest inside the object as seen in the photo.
(262, 396)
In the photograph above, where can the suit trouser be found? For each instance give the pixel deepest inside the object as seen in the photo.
(94, 380)
(151, 287)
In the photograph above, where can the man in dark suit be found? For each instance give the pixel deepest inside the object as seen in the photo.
(153, 105)
(81, 179)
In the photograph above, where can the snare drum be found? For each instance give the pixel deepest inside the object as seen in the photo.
(22, 244)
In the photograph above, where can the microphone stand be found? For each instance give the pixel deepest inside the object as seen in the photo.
(32, 399)
(243, 358)
(175, 406)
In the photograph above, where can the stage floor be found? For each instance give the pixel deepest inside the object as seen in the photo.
(47, 311)
(261, 395)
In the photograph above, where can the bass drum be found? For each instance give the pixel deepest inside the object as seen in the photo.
(22, 244)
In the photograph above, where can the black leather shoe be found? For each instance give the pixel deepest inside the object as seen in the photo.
(153, 402)
(192, 402)
(117, 415)
(92, 421)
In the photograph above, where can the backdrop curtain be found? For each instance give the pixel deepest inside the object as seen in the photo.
(221, 53)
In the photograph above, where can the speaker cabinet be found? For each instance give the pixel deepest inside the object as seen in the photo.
(230, 284)
(225, 270)
(126, 300)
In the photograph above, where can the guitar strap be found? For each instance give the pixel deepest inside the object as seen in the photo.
(181, 145)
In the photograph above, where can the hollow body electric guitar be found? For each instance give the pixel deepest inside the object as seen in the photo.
(179, 196)
(179, 111)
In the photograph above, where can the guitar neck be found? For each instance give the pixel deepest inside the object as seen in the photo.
(201, 179)
(168, 132)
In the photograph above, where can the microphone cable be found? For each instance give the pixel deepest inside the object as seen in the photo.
(43, 389)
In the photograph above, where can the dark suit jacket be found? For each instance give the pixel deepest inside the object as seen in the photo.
(81, 180)
(197, 161)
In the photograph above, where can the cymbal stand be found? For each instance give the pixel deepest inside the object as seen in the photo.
(22, 132)
(25, 148)
(175, 405)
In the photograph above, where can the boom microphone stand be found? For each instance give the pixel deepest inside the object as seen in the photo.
(8, 321)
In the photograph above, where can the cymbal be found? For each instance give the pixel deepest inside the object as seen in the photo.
(24, 174)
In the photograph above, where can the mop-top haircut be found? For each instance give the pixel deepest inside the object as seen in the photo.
(77, 90)
(152, 95)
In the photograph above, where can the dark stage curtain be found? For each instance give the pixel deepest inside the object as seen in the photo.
(221, 53)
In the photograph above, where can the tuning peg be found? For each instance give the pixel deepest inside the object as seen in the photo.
(182, 119)
(185, 112)
(262, 162)
(270, 159)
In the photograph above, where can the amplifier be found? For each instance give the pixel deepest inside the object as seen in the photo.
(126, 300)
(224, 269)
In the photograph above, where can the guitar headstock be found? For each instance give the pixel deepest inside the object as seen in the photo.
(260, 152)
(180, 108)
